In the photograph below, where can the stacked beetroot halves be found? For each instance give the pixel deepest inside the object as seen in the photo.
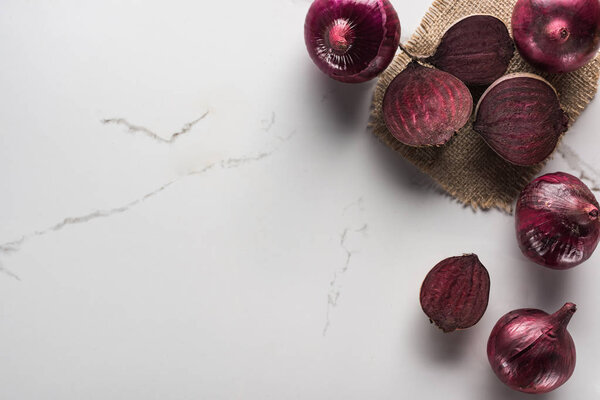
(519, 116)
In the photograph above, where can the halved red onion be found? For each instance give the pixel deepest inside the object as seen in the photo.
(557, 221)
(352, 40)
(425, 106)
(520, 118)
(557, 35)
(476, 49)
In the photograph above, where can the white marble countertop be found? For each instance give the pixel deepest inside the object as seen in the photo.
(191, 210)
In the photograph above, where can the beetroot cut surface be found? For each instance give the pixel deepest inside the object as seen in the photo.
(425, 106)
(520, 118)
(476, 49)
(455, 293)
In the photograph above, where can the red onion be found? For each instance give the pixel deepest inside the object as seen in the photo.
(557, 221)
(520, 118)
(424, 106)
(455, 293)
(557, 35)
(352, 40)
(532, 351)
(476, 49)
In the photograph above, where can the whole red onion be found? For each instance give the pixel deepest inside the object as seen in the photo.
(557, 35)
(557, 221)
(352, 40)
(532, 351)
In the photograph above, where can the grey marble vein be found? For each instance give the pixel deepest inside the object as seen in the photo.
(143, 130)
(15, 245)
(334, 288)
(585, 170)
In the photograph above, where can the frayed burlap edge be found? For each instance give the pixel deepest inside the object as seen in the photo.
(465, 167)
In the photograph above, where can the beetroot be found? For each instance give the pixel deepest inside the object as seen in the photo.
(520, 118)
(557, 221)
(424, 106)
(557, 35)
(455, 293)
(352, 40)
(476, 49)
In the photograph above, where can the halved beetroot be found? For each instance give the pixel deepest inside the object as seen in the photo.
(424, 106)
(476, 49)
(520, 118)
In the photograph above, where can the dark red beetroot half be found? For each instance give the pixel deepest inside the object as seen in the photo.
(424, 106)
(476, 49)
(520, 118)
(455, 293)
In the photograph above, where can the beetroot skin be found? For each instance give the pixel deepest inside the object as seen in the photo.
(455, 293)
(557, 35)
(520, 118)
(476, 49)
(424, 106)
(557, 221)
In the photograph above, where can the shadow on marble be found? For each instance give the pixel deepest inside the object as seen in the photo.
(440, 346)
(550, 288)
(496, 390)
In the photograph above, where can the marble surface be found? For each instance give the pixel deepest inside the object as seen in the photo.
(190, 210)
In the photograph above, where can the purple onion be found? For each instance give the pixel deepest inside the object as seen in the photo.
(532, 351)
(557, 221)
(557, 35)
(520, 118)
(425, 106)
(352, 40)
(455, 293)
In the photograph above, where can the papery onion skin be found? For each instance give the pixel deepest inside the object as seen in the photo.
(352, 41)
(476, 49)
(532, 351)
(557, 222)
(455, 293)
(557, 35)
(520, 118)
(424, 106)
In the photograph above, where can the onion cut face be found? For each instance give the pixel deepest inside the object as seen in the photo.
(352, 40)
(520, 118)
(477, 50)
(424, 106)
(557, 35)
(557, 221)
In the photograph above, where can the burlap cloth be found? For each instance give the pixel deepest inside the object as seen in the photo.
(465, 167)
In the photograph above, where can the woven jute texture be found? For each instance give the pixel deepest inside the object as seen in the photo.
(465, 167)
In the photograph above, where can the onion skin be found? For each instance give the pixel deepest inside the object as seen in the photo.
(455, 293)
(424, 106)
(532, 351)
(476, 49)
(520, 118)
(557, 35)
(352, 41)
(557, 221)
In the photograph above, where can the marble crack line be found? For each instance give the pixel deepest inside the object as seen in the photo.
(334, 287)
(145, 131)
(15, 245)
(585, 170)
